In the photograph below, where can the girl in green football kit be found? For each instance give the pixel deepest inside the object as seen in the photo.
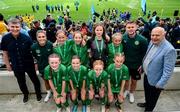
(114, 47)
(62, 47)
(117, 75)
(77, 80)
(56, 74)
(79, 48)
(97, 83)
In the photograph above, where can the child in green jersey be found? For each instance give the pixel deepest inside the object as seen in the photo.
(41, 50)
(114, 47)
(79, 48)
(97, 81)
(117, 75)
(62, 47)
(55, 73)
(77, 79)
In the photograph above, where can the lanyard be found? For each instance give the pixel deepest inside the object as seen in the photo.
(113, 48)
(77, 79)
(56, 79)
(76, 50)
(99, 48)
(116, 79)
(64, 50)
(95, 80)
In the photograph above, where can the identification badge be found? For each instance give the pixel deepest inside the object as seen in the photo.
(38, 51)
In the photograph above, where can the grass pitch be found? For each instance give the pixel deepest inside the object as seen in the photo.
(164, 8)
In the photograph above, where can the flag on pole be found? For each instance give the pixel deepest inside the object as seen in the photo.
(92, 9)
(143, 6)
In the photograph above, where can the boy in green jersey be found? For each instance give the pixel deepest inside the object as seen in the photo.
(77, 79)
(97, 81)
(55, 73)
(114, 47)
(117, 75)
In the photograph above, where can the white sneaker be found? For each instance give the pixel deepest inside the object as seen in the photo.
(46, 99)
(131, 98)
(88, 109)
(58, 110)
(126, 93)
(102, 108)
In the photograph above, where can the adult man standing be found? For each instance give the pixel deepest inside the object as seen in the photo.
(49, 19)
(17, 57)
(158, 65)
(67, 24)
(135, 47)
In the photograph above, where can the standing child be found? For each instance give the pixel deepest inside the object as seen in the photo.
(41, 50)
(114, 47)
(117, 75)
(97, 45)
(97, 81)
(55, 73)
(62, 47)
(79, 48)
(77, 78)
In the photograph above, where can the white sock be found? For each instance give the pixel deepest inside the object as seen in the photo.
(48, 91)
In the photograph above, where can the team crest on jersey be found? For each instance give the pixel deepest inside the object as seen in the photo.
(136, 42)
(48, 49)
(125, 41)
(38, 51)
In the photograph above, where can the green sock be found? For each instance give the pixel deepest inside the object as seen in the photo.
(88, 102)
(66, 104)
(118, 104)
(59, 105)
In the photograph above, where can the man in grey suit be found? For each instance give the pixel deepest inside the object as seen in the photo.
(158, 65)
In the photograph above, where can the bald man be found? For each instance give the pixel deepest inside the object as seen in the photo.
(158, 65)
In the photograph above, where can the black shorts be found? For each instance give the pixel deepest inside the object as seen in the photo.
(134, 74)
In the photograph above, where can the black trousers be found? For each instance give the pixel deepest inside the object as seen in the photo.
(151, 95)
(21, 79)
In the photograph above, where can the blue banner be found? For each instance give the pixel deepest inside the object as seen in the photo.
(92, 9)
(143, 6)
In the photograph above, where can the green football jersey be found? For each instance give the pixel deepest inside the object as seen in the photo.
(81, 51)
(97, 81)
(77, 77)
(64, 51)
(134, 50)
(116, 75)
(57, 77)
(41, 54)
(112, 50)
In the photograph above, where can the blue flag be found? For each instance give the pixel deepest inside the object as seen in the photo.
(143, 6)
(92, 9)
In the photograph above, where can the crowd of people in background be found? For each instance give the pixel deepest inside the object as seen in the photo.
(90, 58)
